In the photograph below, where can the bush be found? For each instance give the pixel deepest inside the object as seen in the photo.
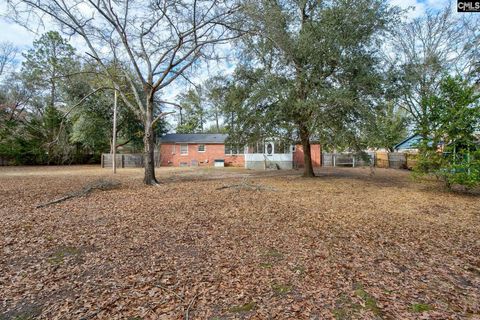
(449, 148)
(463, 170)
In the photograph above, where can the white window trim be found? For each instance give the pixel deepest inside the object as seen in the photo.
(173, 150)
(204, 147)
(181, 153)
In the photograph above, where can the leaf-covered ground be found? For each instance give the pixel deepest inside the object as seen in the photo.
(345, 245)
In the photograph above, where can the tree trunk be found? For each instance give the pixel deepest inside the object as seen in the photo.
(307, 158)
(52, 94)
(149, 145)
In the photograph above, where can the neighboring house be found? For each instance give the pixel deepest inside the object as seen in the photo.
(410, 144)
(204, 149)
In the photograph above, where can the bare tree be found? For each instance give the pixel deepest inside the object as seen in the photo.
(8, 52)
(160, 40)
(427, 48)
(16, 98)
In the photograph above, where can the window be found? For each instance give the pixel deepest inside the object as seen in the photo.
(271, 146)
(282, 147)
(232, 149)
(173, 149)
(184, 149)
(259, 147)
(201, 148)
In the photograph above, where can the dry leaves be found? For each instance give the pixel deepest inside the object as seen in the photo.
(345, 245)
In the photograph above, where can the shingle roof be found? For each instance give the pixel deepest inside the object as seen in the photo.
(194, 138)
(409, 143)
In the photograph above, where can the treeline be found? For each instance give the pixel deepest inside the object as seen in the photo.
(57, 108)
(351, 74)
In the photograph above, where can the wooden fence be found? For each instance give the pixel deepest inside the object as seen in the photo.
(128, 160)
(396, 160)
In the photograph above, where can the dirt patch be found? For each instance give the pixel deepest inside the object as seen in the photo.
(347, 245)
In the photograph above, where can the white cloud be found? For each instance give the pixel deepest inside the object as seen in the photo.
(415, 9)
(16, 34)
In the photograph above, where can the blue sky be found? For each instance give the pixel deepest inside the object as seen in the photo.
(420, 6)
(23, 38)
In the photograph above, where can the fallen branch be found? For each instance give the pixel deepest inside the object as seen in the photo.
(171, 291)
(189, 306)
(95, 185)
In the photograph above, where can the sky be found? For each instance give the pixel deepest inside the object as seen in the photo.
(23, 39)
(420, 7)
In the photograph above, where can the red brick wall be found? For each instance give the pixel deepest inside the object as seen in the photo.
(315, 152)
(170, 155)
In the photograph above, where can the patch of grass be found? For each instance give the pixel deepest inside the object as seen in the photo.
(271, 256)
(23, 317)
(281, 289)
(420, 307)
(243, 308)
(26, 311)
(274, 253)
(345, 308)
(340, 314)
(370, 301)
(60, 254)
(343, 313)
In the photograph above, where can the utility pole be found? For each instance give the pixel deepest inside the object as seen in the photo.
(114, 140)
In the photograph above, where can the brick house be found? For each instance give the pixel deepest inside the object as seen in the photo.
(204, 149)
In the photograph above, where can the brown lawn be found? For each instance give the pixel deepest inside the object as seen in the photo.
(345, 245)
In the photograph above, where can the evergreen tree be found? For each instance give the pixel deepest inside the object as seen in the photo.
(193, 115)
(319, 67)
(48, 65)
